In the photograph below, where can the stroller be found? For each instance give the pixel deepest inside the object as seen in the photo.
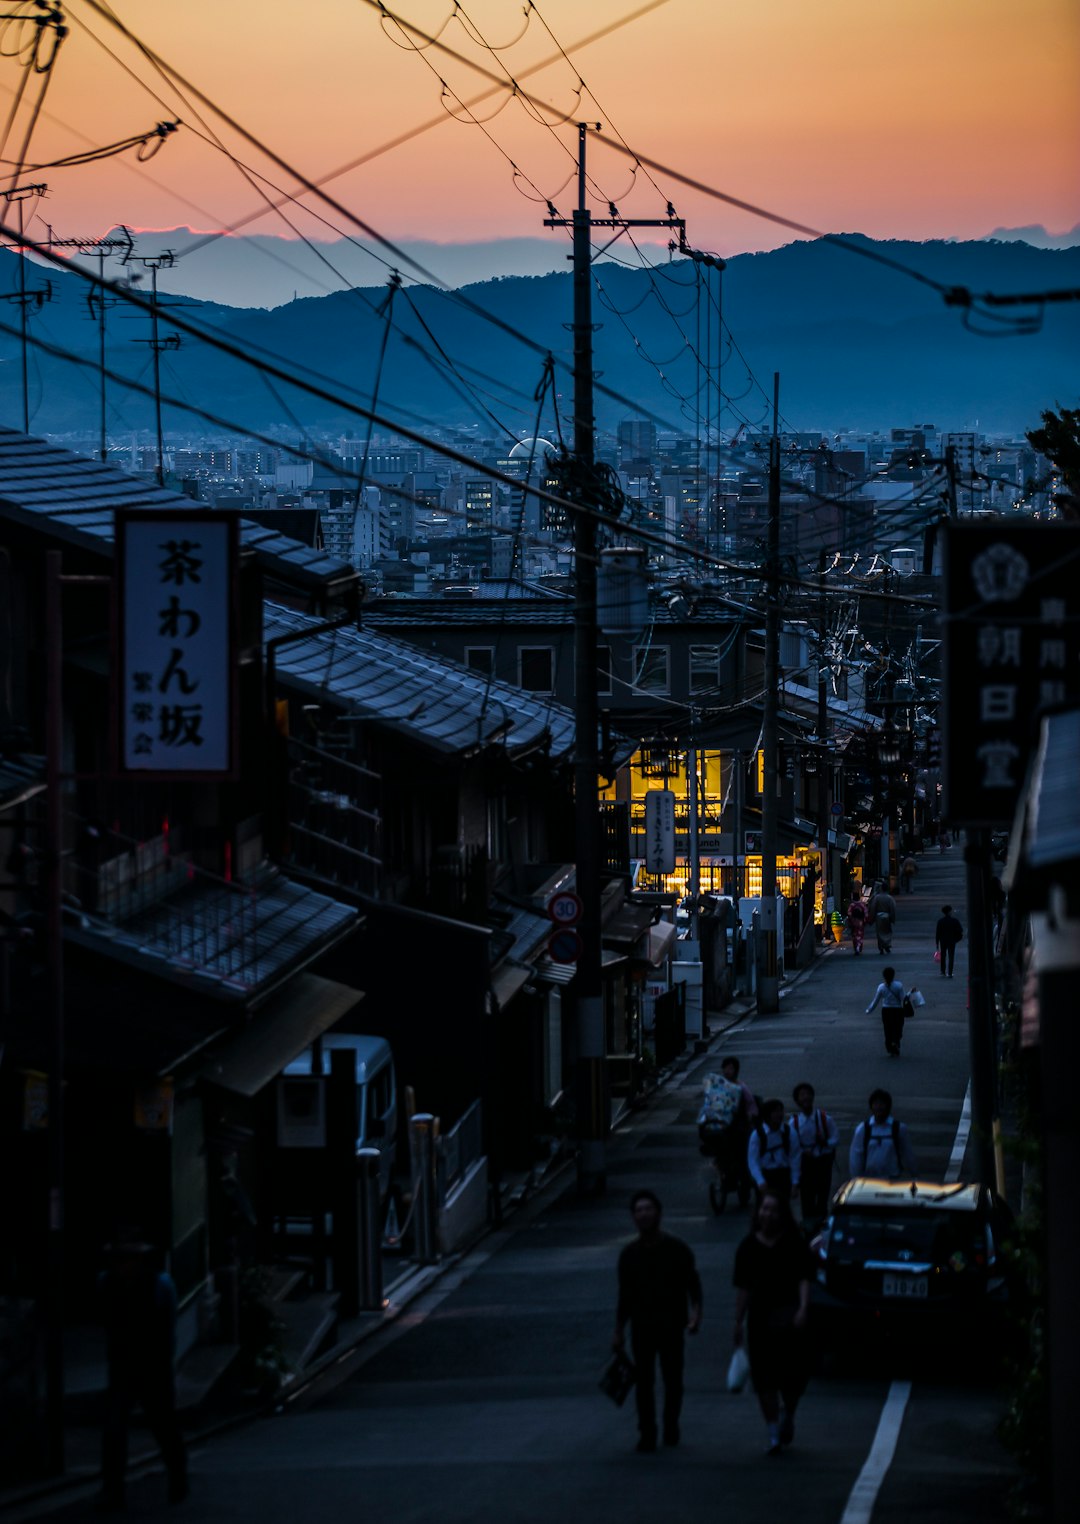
(722, 1138)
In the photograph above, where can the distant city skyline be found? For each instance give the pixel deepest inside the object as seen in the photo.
(911, 120)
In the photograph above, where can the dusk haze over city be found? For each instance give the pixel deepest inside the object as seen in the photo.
(539, 718)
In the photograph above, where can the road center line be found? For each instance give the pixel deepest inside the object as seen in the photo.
(959, 1148)
(860, 1505)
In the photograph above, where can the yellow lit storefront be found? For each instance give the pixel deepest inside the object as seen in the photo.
(721, 815)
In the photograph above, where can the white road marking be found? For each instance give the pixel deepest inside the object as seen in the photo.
(860, 1505)
(959, 1148)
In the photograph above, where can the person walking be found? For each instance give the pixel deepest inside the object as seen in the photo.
(660, 1298)
(908, 869)
(138, 1305)
(890, 996)
(818, 1137)
(729, 1068)
(773, 1155)
(856, 919)
(882, 913)
(773, 1271)
(946, 935)
(881, 1147)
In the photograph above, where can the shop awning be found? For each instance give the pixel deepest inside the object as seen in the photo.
(280, 1030)
(627, 925)
(661, 937)
(508, 978)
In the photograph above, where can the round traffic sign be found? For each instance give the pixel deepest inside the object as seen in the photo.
(565, 945)
(565, 908)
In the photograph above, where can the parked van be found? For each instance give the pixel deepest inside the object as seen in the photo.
(302, 1098)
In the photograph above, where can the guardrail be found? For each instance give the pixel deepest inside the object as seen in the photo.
(460, 1148)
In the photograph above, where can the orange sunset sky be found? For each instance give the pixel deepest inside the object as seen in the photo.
(897, 118)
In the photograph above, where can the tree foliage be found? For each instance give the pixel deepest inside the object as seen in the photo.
(1059, 441)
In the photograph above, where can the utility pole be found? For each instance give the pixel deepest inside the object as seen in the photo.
(950, 477)
(824, 813)
(154, 263)
(54, 945)
(982, 1036)
(768, 995)
(26, 299)
(97, 301)
(593, 1106)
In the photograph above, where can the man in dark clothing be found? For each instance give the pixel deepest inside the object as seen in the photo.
(659, 1296)
(139, 1312)
(948, 933)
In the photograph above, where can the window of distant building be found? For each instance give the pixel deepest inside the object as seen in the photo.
(651, 668)
(480, 659)
(704, 668)
(536, 669)
(603, 669)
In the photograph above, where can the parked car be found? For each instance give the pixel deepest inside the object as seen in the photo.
(915, 1256)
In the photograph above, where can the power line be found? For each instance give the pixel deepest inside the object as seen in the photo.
(456, 296)
(449, 452)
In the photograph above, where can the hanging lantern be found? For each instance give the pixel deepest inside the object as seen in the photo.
(622, 591)
(658, 762)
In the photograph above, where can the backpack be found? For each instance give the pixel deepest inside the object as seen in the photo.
(907, 1007)
(867, 1130)
(785, 1135)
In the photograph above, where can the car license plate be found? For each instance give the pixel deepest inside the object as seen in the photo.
(905, 1286)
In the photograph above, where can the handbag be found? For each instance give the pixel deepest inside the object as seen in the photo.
(617, 1380)
(738, 1371)
(937, 955)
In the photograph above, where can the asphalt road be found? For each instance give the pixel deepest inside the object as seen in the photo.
(481, 1405)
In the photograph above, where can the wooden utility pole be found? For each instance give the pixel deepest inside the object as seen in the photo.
(824, 802)
(592, 1089)
(768, 991)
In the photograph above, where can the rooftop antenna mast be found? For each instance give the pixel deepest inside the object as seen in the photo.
(155, 262)
(19, 194)
(97, 300)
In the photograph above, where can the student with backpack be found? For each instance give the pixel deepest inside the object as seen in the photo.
(773, 1155)
(880, 1147)
(818, 1136)
(890, 995)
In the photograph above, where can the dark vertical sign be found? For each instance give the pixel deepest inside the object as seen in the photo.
(660, 830)
(176, 699)
(1012, 648)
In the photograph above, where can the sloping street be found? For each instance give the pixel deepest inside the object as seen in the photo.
(481, 1404)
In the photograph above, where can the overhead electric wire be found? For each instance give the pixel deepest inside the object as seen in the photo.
(400, 254)
(157, 135)
(956, 295)
(449, 452)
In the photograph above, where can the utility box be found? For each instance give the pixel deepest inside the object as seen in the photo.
(689, 975)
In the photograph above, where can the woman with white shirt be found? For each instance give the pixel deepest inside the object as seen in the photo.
(890, 996)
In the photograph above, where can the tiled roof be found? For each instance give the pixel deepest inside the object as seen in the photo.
(448, 706)
(465, 613)
(20, 779)
(227, 941)
(74, 497)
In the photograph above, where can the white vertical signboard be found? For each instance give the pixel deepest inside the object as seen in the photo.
(176, 690)
(660, 830)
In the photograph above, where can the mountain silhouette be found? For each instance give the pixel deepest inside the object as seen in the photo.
(857, 345)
